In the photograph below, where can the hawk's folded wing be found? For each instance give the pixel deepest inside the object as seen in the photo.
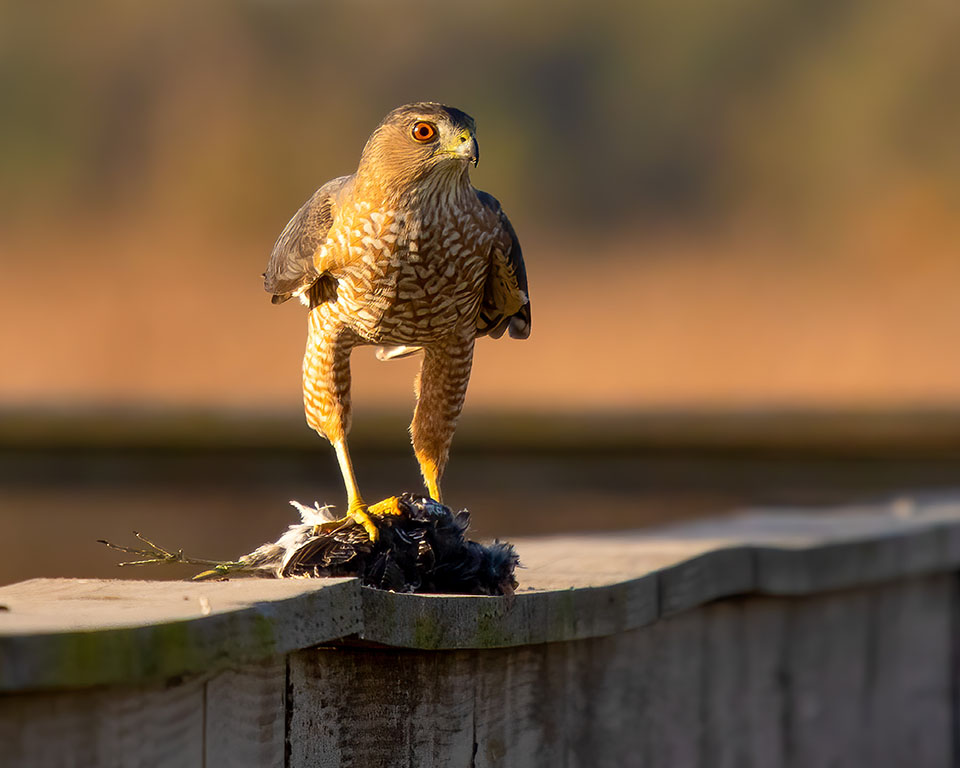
(506, 303)
(291, 270)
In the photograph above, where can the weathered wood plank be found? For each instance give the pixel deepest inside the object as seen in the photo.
(77, 633)
(72, 633)
(674, 727)
(706, 577)
(245, 716)
(907, 703)
(444, 621)
(609, 684)
(369, 708)
(847, 678)
(576, 587)
(825, 680)
(725, 667)
(759, 702)
(785, 570)
(160, 726)
(804, 552)
(513, 726)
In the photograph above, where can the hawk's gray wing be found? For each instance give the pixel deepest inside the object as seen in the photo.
(506, 303)
(291, 269)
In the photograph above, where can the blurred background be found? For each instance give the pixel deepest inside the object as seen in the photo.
(741, 224)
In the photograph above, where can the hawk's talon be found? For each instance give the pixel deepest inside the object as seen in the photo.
(389, 506)
(359, 512)
(356, 513)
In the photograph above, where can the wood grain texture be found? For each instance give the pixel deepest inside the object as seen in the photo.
(62, 633)
(913, 639)
(245, 716)
(73, 633)
(575, 587)
(706, 577)
(159, 726)
(849, 678)
(610, 675)
(758, 701)
(448, 622)
(381, 708)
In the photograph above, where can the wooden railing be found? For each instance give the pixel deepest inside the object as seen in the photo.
(781, 638)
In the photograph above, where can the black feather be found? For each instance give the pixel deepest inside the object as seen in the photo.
(423, 549)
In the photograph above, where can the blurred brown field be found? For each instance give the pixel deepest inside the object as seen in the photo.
(741, 224)
(865, 318)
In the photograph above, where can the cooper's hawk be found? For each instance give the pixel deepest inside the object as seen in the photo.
(408, 255)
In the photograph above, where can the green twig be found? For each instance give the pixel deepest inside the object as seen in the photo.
(156, 555)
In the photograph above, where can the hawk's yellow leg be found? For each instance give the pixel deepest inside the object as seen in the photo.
(356, 508)
(431, 476)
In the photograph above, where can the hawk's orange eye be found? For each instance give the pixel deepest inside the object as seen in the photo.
(424, 131)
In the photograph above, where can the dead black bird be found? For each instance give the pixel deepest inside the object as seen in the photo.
(422, 549)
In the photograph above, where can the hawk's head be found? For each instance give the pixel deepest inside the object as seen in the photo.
(420, 142)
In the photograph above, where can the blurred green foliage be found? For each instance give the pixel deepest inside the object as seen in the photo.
(589, 113)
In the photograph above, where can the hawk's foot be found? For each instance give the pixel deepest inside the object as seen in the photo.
(356, 513)
(389, 506)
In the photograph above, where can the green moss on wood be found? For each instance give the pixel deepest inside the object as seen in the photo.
(427, 632)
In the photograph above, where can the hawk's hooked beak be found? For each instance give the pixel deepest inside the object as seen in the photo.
(474, 152)
(466, 148)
